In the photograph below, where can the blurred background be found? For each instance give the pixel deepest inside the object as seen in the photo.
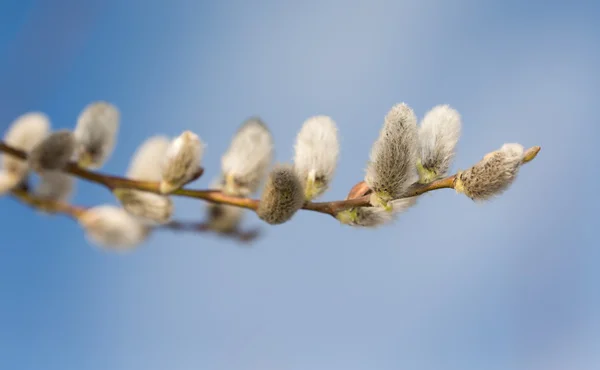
(509, 284)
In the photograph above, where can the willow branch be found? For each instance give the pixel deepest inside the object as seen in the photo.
(216, 196)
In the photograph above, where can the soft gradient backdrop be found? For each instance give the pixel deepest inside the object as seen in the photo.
(511, 284)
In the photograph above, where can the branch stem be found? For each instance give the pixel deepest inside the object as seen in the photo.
(215, 196)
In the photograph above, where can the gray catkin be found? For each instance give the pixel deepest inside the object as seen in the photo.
(147, 207)
(54, 152)
(282, 196)
(492, 175)
(392, 166)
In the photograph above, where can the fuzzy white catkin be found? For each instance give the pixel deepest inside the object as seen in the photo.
(376, 216)
(492, 175)
(146, 165)
(54, 152)
(248, 158)
(222, 217)
(55, 186)
(182, 160)
(96, 133)
(282, 196)
(392, 166)
(438, 136)
(112, 228)
(26, 132)
(150, 208)
(146, 162)
(316, 154)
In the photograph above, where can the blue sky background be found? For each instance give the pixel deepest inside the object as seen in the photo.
(511, 284)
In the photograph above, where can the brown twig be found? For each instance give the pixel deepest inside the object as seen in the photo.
(215, 196)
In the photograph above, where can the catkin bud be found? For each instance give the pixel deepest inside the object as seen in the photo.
(55, 186)
(26, 132)
(146, 165)
(96, 133)
(282, 196)
(222, 217)
(146, 162)
(182, 160)
(54, 152)
(391, 169)
(438, 135)
(246, 162)
(113, 228)
(377, 215)
(149, 208)
(492, 175)
(316, 154)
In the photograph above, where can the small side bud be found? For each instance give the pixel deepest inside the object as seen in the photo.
(375, 216)
(492, 175)
(282, 196)
(316, 155)
(26, 132)
(149, 208)
(146, 162)
(112, 228)
(182, 161)
(55, 186)
(96, 133)
(391, 169)
(221, 217)
(54, 152)
(246, 162)
(438, 136)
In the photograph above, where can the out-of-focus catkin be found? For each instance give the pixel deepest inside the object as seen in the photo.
(55, 186)
(96, 133)
(223, 218)
(113, 228)
(146, 165)
(182, 161)
(282, 197)
(26, 132)
(54, 152)
(248, 158)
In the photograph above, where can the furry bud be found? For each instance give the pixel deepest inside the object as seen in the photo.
(222, 217)
(375, 216)
(26, 132)
(96, 133)
(146, 162)
(246, 162)
(149, 208)
(146, 165)
(55, 186)
(438, 136)
(282, 196)
(316, 154)
(113, 228)
(391, 169)
(492, 175)
(181, 162)
(54, 152)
